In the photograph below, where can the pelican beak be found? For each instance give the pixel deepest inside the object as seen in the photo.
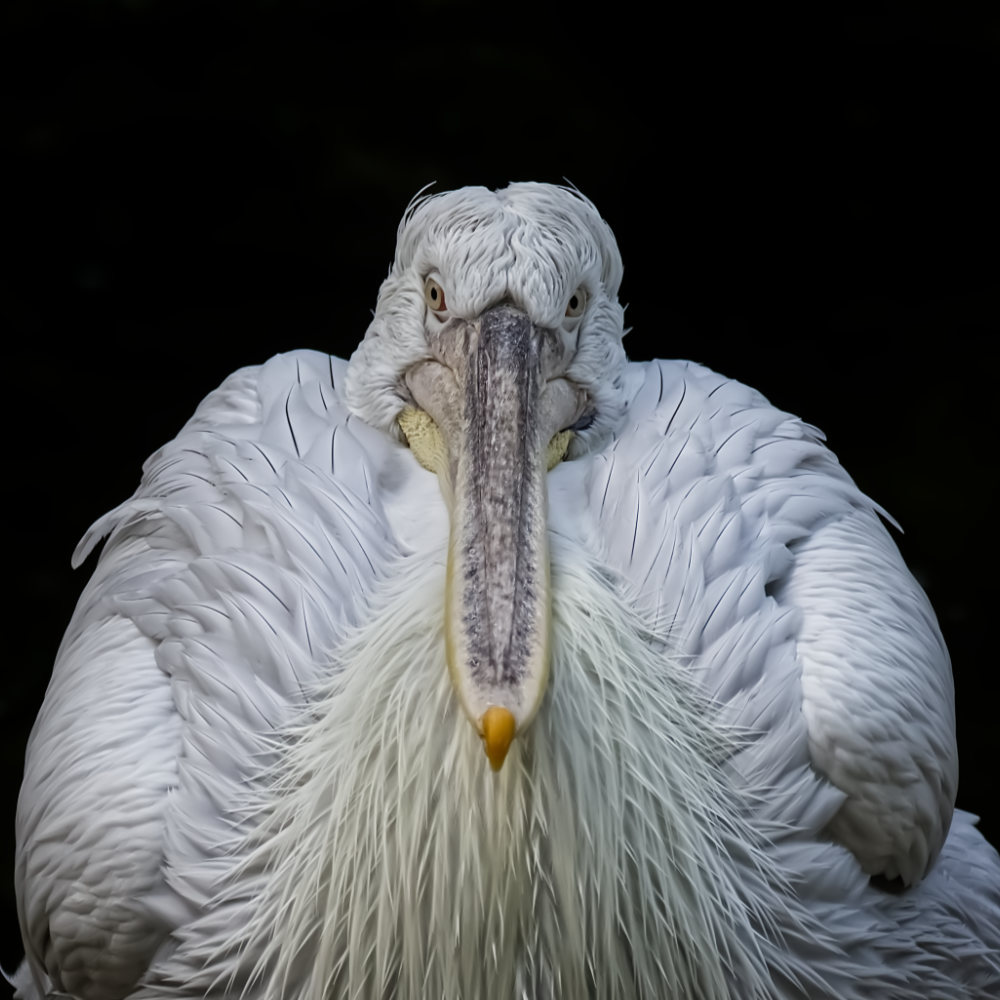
(493, 408)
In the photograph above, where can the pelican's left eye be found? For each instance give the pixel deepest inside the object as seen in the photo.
(434, 295)
(576, 303)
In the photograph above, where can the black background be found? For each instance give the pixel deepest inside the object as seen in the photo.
(804, 202)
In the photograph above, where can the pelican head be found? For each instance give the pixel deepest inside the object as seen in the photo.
(496, 351)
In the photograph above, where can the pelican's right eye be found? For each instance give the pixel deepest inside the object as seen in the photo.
(434, 296)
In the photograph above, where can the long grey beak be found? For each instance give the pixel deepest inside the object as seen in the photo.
(497, 397)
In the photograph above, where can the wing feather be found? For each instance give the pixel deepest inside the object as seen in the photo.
(744, 539)
(225, 582)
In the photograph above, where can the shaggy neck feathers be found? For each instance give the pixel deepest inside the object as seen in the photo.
(400, 865)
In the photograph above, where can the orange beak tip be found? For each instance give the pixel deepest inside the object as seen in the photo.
(498, 729)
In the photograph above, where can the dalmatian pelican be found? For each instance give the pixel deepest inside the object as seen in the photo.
(489, 664)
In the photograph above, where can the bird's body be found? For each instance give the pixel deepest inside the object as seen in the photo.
(252, 775)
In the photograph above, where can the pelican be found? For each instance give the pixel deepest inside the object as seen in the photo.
(488, 664)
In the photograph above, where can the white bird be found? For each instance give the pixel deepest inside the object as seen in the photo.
(716, 708)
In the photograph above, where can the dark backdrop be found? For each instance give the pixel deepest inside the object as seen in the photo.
(806, 205)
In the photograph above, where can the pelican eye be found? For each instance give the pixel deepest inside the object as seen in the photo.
(577, 302)
(434, 296)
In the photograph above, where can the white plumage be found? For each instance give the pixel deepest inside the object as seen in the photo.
(252, 775)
